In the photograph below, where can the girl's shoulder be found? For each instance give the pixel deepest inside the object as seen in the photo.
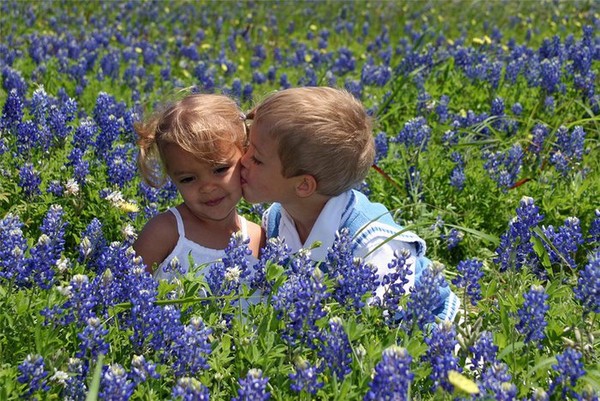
(257, 236)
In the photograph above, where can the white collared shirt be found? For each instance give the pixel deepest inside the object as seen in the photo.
(324, 230)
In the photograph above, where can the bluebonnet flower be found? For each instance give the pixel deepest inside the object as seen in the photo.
(567, 153)
(565, 240)
(253, 387)
(415, 134)
(224, 277)
(594, 231)
(29, 180)
(299, 301)
(570, 368)
(49, 247)
(190, 389)
(425, 297)
(353, 278)
(394, 281)
(440, 355)
(532, 315)
(84, 134)
(413, 182)
(189, 350)
(75, 387)
(517, 109)
(392, 376)
(92, 338)
(13, 245)
(12, 79)
(457, 176)
(504, 167)
(441, 108)
(550, 74)
(344, 63)
(354, 87)
(587, 290)
(33, 373)
(515, 249)
(12, 112)
(375, 75)
(495, 381)
(142, 370)
(114, 384)
(470, 274)
(55, 188)
(92, 245)
(108, 115)
(381, 146)
(453, 238)
(306, 377)
(275, 251)
(121, 169)
(549, 104)
(334, 348)
(484, 351)
(247, 93)
(539, 133)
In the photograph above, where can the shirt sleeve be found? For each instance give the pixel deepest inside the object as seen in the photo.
(383, 255)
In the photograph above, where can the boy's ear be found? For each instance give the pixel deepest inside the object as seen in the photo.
(306, 186)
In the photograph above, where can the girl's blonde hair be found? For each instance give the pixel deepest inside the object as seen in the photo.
(321, 131)
(205, 125)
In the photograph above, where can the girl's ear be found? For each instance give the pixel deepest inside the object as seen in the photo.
(306, 186)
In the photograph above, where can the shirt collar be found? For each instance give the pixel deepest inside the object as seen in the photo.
(324, 230)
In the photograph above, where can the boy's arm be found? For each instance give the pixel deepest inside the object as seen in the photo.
(156, 240)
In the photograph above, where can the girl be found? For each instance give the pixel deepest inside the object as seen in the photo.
(197, 142)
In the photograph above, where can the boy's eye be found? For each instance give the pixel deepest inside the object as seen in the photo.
(255, 160)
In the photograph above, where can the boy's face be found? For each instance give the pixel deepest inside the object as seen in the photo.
(262, 180)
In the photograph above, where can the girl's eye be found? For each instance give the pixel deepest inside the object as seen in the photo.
(221, 169)
(185, 180)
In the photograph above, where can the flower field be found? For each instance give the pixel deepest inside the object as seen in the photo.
(487, 129)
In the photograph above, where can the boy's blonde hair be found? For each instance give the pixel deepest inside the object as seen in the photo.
(321, 131)
(208, 126)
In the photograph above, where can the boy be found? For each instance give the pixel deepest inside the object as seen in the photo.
(308, 148)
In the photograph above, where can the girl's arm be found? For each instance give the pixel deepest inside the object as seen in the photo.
(156, 240)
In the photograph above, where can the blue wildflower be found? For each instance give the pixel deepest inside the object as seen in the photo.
(394, 282)
(440, 355)
(224, 277)
(33, 373)
(12, 112)
(415, 134)
(565, 241)
(470, 274)
(392, 376)
(532, 315)
(275, 251)
(516, 249)
(550, 74)
(13, 245)
(305, 377)
(568, 150)
(457, 176)
(495, 381)
(504, 167)
(381, 146)
(253, 387)
(142, 370)
(539, 133)
(334, 348)
(29, 180)
(121, 168)
(49, 247)
(299, 301)
(425, 297)
(587, 290)
(570, 368)
(594, 231)
(190, 389)
(453, 238)
(484, 351)
(92, 339)
(352, 277)
(189, 350)
(114, 384)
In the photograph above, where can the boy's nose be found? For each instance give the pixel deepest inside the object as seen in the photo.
(244, 160)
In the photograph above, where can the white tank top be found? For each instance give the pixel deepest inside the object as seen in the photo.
(201, 255)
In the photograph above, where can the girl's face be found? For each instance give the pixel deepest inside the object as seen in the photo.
(210, 191)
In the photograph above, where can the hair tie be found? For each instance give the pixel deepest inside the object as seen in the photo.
(242, 117)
